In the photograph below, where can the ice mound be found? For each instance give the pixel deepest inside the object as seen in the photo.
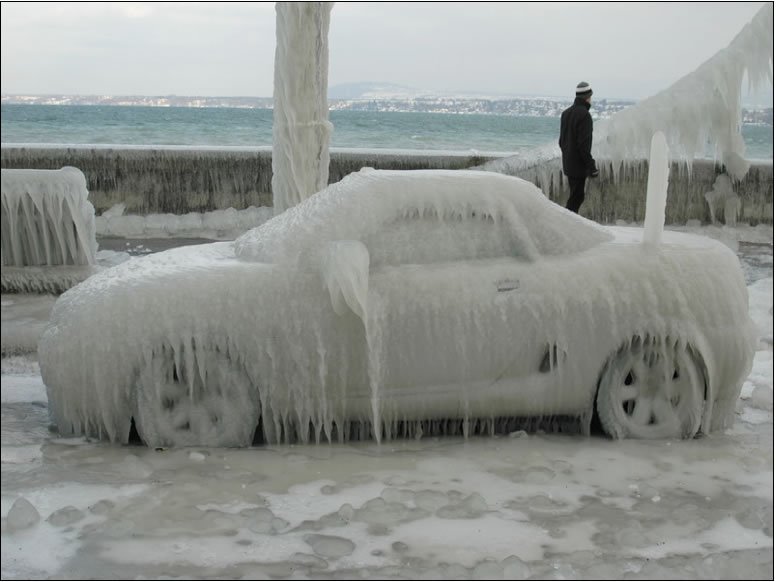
(48, 230)
(22, 515)
(47, 219)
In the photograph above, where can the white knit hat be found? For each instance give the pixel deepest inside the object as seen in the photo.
(584, 89)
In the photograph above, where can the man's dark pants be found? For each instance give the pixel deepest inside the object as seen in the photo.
(577, 196)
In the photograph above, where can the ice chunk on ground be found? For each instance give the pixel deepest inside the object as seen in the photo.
(515, 568)
(22, 515)
(488, 570)
(330, 546)
(471, 507)
(65, 516)
(762, 397)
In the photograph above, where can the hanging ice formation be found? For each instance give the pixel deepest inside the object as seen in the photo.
(301, 129)
(46, 219)
(701, 109)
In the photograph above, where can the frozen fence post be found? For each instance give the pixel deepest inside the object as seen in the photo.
(46, 219)
(300, 127)
(722, 192)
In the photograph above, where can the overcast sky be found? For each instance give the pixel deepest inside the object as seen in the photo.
(227, 49)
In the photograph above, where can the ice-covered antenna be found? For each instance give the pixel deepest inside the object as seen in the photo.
(657, 190)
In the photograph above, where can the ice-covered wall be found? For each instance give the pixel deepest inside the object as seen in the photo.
(178, 180)
(300, 129)
(46, 218)
(619, 193)
(182, 180)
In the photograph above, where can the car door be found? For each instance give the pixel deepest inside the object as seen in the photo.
(447, 318)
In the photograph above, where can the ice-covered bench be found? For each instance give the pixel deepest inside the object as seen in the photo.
(48, 231)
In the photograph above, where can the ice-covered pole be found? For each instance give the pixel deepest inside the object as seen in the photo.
(657, 190)
(301, 128)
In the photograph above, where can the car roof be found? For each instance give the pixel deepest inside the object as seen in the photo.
(363, 201)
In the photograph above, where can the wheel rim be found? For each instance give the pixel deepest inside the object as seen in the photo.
(656, 392)
(210, 402)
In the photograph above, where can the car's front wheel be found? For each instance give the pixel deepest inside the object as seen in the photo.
(197, 397)
(651, 389)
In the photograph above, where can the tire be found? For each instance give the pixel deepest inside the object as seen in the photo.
(652, 390)
(209, 402)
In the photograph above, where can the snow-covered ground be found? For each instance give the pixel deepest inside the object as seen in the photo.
(512, 506)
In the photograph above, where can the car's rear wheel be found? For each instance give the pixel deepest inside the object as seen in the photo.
(202, 398)
(651, 389)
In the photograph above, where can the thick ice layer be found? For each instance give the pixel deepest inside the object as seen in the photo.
(46, 218)
(301, 128)
(483, 302)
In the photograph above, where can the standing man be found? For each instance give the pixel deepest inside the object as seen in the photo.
(576, 141)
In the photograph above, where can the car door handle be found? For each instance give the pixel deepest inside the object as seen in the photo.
(506, 285)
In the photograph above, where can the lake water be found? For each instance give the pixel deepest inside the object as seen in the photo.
(131, 125)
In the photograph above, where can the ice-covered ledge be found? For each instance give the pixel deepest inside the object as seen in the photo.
(179, 180)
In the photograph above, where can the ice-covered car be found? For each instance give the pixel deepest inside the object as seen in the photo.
(393, 299)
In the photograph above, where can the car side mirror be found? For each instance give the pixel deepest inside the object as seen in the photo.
(345, 271)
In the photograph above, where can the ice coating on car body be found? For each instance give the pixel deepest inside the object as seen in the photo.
(504, 306)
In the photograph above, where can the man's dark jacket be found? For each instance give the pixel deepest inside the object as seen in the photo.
(576, 140)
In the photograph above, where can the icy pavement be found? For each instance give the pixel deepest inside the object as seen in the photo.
(520, 506)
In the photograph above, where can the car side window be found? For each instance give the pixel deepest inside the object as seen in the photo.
(425, 237)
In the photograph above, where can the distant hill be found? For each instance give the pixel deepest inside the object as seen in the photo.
(374, 90)
(381, 91)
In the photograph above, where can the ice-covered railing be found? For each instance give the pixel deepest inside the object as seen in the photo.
(46, 219)
(701, 109)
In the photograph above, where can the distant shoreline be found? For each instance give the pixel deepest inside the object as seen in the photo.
(540, 107)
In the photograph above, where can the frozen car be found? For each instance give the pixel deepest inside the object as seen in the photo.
(393, 299)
